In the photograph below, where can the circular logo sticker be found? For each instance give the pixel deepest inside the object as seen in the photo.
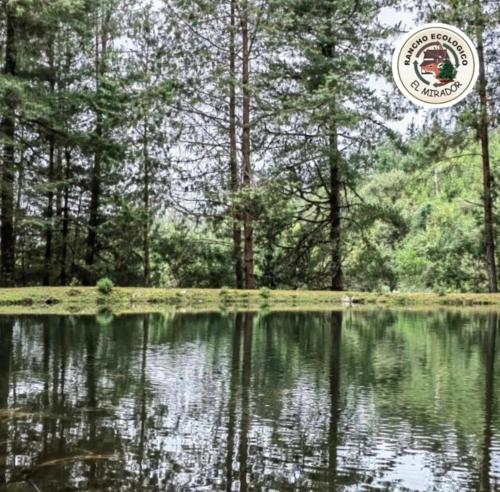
(435, 65)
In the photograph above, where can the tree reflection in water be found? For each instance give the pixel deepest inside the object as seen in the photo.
(284, 401)
(489, 401)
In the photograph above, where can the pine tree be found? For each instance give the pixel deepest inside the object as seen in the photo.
(7, 131)
(480, 20)
(330, 116)
(447, 70)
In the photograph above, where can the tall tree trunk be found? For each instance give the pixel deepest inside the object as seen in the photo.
(146, 226)
(20, 243)
(59, 196)
(334, 192)
(76, 239)
(49, 213)
(334, 209)
(489, 233)
(95, 177)
(246, 149)
(95, 199)
(65, 219)
(235, 182)
(7, 131)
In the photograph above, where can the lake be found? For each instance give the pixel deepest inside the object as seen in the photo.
(344, 400)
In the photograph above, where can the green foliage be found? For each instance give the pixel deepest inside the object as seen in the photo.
(105, 285)
(447, 70)
(223, 294)
(120, 156)
(265, 293)
(195, 258)
(435, 243)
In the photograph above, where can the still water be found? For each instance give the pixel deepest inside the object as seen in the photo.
(284, 401)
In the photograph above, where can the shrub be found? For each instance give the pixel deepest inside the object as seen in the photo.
(265, 293)
(74, 282)
(104, 317)
(440, 291)
(105, 285)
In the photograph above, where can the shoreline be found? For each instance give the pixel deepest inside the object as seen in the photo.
(88, 300)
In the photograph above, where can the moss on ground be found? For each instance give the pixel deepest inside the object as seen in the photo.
(129, 299)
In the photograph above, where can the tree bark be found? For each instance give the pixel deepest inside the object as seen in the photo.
(95, 199)
(65, 219)
(49, 213)
(246, 151)
(334, 210)
(146, 226)
(7, 131)
(238, 264)
(95, 177)
(489, 232)
(334, 193)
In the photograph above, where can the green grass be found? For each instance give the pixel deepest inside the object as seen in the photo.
(125, 299)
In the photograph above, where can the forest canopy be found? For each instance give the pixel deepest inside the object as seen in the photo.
(241, 143)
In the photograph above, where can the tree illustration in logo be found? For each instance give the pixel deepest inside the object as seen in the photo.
(436, 61)
(447, 71)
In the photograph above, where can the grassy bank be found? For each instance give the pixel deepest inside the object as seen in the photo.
(89, 299)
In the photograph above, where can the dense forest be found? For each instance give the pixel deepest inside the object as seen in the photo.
(243, 143)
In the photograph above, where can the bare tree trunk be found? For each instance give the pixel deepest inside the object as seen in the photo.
(7, 132)
(20, 243)
(95, 178)
(65, 220)
(58, 214)
(489, 232)
(49, 215)
(238, 266)
(334, 206)
(146, 208)
(95, 198)
(76, 239)
(334, 193)
(246, 150)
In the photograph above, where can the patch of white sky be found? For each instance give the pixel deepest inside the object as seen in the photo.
(390, 16)
(415, 117)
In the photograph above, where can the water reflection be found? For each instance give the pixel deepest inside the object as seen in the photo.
(285, 401)
(333, 435)
(489, 398)
(6, 326)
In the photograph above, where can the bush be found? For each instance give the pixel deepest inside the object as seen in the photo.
(75, 282)
(105, 285)
(265, 293)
